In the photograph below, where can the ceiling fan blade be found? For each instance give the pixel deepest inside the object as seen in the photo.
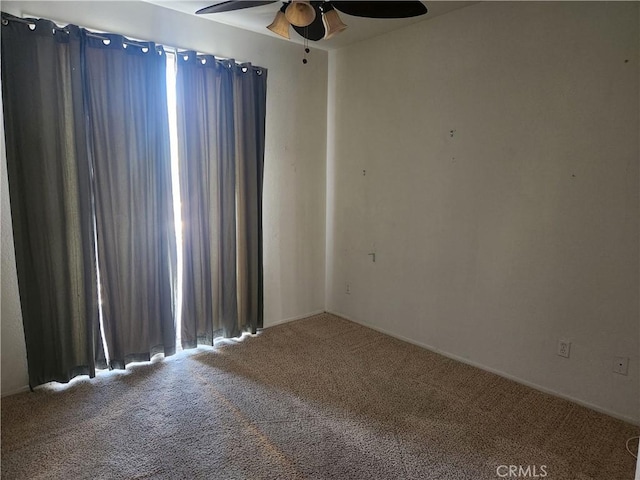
(232, 5)
(315, 31)
(381, 9)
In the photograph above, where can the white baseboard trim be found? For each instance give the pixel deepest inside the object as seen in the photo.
(13, 391)
(633, 421)
(291, 319)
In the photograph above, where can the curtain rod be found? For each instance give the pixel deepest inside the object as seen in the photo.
(174, 50)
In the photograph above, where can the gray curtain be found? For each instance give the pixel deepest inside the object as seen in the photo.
(88, 156)
(129, 136)
(250, 97)
(50, 191)
(86, 125)
(221, 191)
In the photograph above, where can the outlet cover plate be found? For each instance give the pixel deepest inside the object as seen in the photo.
(564, 348)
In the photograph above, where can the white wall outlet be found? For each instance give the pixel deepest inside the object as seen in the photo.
(621, 365)
(564, 348)
(347, 289)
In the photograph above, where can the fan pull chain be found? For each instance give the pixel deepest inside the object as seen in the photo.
(306, 45)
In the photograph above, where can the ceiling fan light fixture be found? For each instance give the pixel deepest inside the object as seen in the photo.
(300, 14)
(332, 22)
(280, 25)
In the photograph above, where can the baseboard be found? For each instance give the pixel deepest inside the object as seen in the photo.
(452, 356)
(14, 391)
(292, 319)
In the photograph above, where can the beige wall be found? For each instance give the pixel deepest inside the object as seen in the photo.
(294, 183)
(500, 144)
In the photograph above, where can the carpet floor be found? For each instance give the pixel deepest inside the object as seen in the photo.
(316, 398)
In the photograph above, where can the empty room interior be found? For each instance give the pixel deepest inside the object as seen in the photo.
(375, 240)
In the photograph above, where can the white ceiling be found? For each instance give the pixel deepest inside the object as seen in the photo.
(256, 19)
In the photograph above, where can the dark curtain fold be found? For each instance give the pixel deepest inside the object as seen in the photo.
(250, 89)
(129, 134)
(221, 108)
(50, 190)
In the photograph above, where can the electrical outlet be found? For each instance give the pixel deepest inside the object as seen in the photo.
(621, 365)
(564, 348)
(347, 289)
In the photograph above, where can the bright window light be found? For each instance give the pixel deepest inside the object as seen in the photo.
(175, 183)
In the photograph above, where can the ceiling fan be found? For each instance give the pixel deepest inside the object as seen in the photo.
(317, 20)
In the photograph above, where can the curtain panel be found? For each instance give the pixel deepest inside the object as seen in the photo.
(221, 112)
(50, 191)
(86, 126)
(250, 94)
(125, 88)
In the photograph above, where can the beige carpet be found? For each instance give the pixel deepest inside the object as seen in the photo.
(316, 398)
